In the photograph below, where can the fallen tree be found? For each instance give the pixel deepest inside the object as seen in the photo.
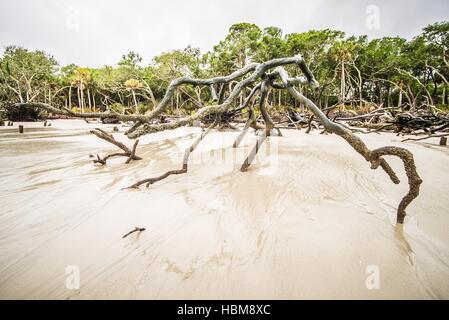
(259, 78)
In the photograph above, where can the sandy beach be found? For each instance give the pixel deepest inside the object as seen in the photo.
(305, 222)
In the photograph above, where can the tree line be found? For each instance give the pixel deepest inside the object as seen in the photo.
(353, 72)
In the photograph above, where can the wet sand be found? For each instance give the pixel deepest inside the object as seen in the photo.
(306, 221)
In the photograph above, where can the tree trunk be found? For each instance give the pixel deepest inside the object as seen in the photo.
(78, 96)
(343, 80)
(70, 97)
(82, 99)
(135, 100)
(88, 99)
(443, 96)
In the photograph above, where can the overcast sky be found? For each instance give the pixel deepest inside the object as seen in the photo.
(97, 32)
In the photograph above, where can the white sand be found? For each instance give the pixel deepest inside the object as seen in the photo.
(305, 222)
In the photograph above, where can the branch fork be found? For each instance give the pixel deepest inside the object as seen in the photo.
(129, 153)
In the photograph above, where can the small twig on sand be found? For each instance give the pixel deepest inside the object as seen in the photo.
(136, 229)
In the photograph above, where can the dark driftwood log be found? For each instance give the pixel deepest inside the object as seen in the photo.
(136, 229)
(131, 154)
(443, 141)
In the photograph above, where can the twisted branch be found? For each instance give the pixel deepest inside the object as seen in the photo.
(374, 157)
(258, 70)
(131, 154)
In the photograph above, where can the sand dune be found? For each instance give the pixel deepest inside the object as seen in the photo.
(305, 222)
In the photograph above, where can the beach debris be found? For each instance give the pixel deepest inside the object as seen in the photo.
(185, 162)
(136, 229)
(130, 153)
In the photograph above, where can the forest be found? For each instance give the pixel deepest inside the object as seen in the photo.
(354, 73)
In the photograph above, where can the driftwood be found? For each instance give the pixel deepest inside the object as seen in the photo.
(400, 121)
(255, 149)
(136, 229)
(442, 136)
(185, 162)
(131, 154)
(262, 77)
(375, 157)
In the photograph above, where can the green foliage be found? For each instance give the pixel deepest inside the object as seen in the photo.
(348, 69)
(117, 107)
(131, 60)
(142, 108)
(24, 73)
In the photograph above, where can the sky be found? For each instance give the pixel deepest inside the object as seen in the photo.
(94, 33)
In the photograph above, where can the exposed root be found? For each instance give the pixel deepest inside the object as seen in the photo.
(269, 124)
(260, 140)
(309, 124)
(131, 154)
(242, 133)
(414, 180)
(251, 120)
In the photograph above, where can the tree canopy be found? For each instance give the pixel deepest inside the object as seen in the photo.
(352, 71)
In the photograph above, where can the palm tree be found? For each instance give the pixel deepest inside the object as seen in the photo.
(343, 56)
(132, 85)
(81, 78)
